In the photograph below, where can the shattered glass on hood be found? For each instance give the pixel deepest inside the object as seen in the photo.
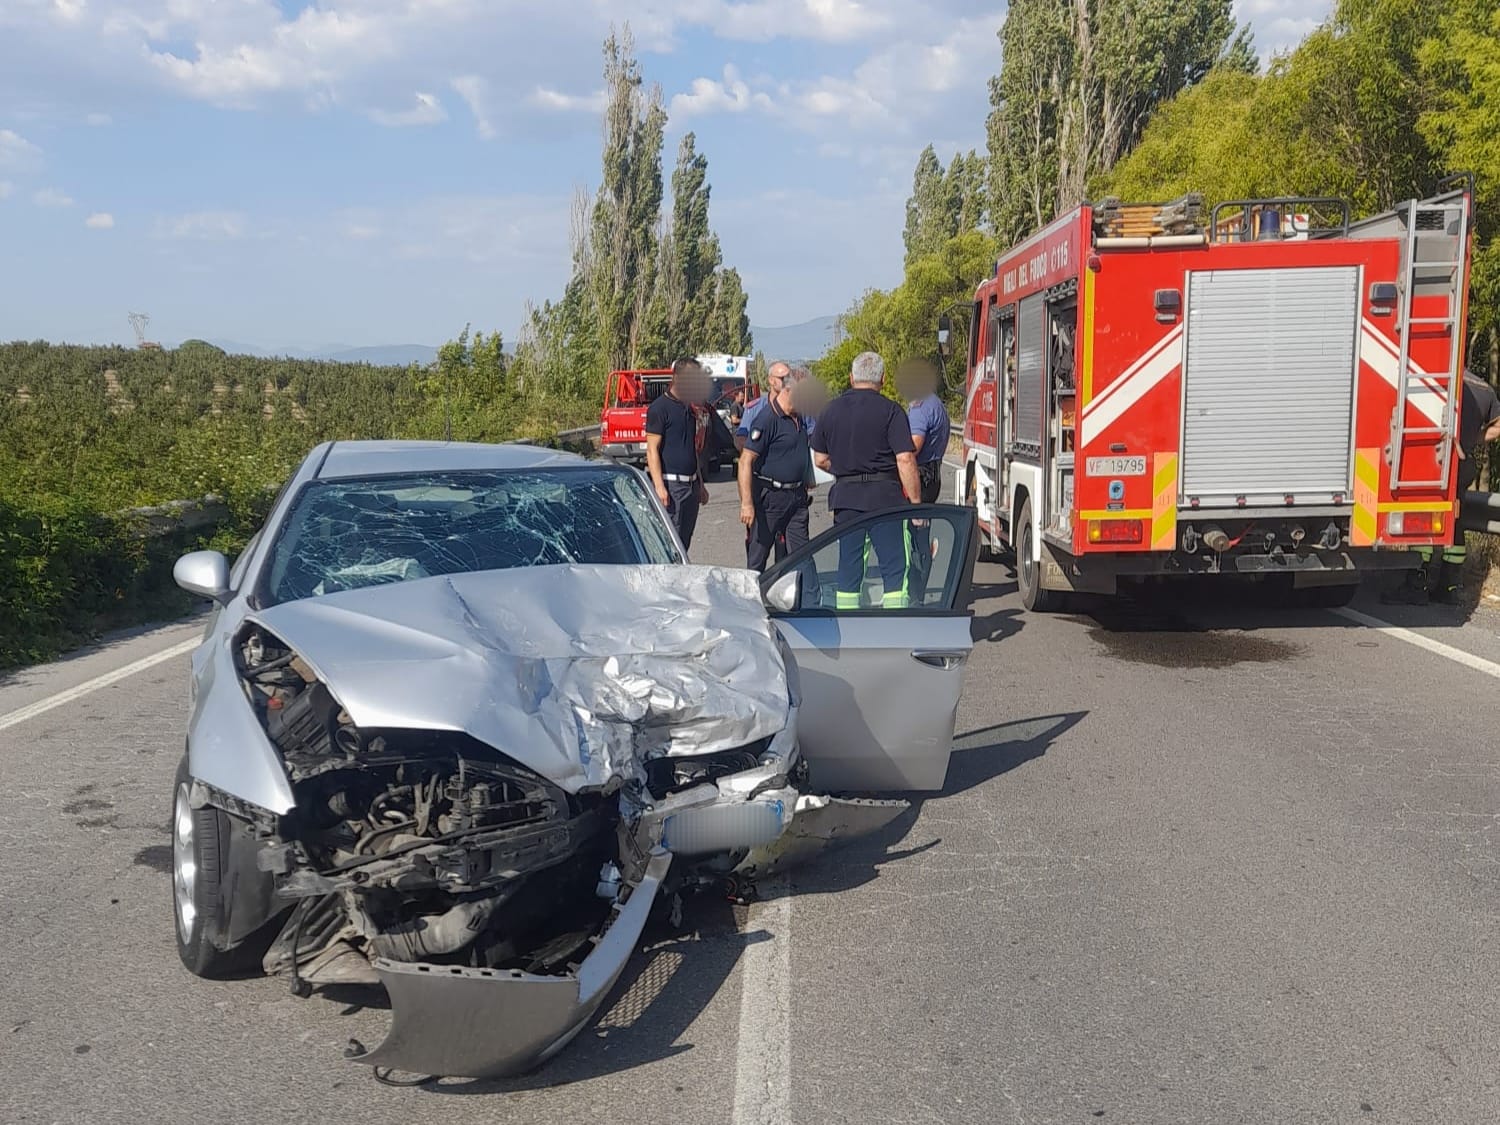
(579, 672)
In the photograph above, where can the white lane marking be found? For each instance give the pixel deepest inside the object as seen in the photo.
(1458, 656)
(763, 1059)
(32, 710)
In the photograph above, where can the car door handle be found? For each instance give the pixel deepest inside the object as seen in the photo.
(944, 658)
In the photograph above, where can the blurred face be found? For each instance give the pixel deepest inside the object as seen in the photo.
(692, 384)
(809, 396)
(915, 380)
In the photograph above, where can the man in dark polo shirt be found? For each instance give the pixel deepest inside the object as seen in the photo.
(864, 440)
(775, 477)
(676, 429)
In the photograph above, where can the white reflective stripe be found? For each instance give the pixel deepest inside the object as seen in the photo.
(1382, 357)
(1171, 338)
(1135, 386)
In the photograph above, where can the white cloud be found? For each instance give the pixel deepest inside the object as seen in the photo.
(473, 89)
(98, 119)
(547, 98)
(100, 220)
(17, 154)
(206, 226)
(69, 11)
(51, 197)
(427, 111)
(732, 95)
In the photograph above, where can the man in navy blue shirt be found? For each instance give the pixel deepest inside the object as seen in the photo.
(864, 440)
(777, 376)
(776, 478)
(916, 382)
(676, 430)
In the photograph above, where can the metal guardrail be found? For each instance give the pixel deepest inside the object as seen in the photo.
(1480, 511)
(582, 433)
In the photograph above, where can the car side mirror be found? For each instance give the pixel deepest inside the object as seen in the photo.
(785, 593)
(205, 573)
(945, 336)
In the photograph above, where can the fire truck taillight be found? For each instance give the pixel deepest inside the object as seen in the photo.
(1414, 523)
(1115, 531)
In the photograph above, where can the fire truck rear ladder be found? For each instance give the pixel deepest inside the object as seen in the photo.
(1445, 383)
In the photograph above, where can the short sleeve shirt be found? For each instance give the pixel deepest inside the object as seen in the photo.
(683, 429)
(754, 410)
(1480, 410)
(930, 422)
(862, 431)
(779, 442)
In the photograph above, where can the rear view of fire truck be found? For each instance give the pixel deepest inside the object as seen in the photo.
(1270, 390)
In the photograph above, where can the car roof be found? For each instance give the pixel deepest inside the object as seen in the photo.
(346, 459)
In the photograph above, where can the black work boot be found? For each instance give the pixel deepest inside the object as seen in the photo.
(1450, 584)
(1413, 591)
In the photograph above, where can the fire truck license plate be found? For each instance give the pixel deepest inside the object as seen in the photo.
(1117, 466)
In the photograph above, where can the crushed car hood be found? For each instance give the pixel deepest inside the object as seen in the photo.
(577, 672)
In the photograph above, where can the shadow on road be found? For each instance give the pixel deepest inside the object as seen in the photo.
(980, 756)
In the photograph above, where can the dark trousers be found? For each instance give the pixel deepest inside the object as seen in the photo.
(931, 475)
(891, 543)
(780, 524)
(682, 508)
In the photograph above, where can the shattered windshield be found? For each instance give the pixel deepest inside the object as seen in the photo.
(344, 534)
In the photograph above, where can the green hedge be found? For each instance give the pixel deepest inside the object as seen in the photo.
(68, 573)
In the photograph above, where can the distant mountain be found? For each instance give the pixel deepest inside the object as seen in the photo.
(390, 355)
(795, 343)
(381, 355)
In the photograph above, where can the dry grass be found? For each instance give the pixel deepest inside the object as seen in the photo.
(1482, 569)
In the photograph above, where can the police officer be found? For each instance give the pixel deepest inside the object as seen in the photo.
(677, 426)
(864, 440)
(776, 376)
(1478, 423)
(776, 478)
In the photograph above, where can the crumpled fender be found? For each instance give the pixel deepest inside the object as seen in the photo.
(451, 1021)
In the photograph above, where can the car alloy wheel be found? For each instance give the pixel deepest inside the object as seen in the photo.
(184, 865)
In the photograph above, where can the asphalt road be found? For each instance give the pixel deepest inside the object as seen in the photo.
(1192, 865)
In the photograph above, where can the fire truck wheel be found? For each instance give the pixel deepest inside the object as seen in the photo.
(1029, 572)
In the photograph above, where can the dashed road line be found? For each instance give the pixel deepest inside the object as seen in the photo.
(42, 706)
(1458, 656)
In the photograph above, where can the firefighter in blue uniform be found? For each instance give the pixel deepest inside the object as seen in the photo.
(864, 440)
(776, 477)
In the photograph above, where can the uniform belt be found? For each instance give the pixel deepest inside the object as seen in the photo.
(863, 478)
(769, 483)
(679, 478)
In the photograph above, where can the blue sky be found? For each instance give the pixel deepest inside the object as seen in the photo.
(383, 171)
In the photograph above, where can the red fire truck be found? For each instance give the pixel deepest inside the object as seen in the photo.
(627, 394)
(622, 421)
(1270, 392)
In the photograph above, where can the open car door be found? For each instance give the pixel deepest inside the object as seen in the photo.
(876, 611)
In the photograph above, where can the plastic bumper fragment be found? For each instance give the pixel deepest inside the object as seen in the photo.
(451, 1021)
(820, 823)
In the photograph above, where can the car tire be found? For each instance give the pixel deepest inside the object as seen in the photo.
(1028, 572)
(200, 842)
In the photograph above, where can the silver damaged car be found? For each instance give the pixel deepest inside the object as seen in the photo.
(464, 717)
